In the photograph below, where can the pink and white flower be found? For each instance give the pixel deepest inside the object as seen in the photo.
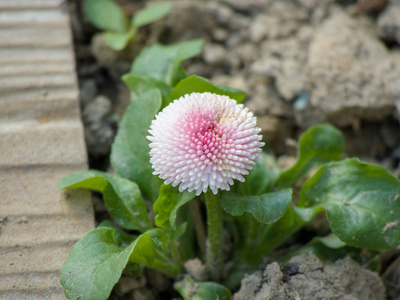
(202, 141)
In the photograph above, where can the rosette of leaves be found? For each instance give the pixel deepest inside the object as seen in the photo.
(119, 30)
(132, 240)
(361, 201)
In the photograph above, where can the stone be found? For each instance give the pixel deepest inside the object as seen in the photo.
(99, 132)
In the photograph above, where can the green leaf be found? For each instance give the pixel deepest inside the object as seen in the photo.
(139, 85)
(191, 290)
(122, 197)
(167, 205)
(266, 208)
(121, 238)
(197, 84)
(130, 151)
(144, 251)
(96, 263)
(318, 145)
(263, 176)
(150, 14)
(163, 63)
(361, 203)
(118, 40)
(105, 14)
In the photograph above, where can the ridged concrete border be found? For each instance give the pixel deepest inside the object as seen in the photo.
(41, 140)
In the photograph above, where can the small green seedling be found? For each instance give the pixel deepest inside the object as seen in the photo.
(119, 30)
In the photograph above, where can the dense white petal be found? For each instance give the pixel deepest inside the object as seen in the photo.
(202, 141)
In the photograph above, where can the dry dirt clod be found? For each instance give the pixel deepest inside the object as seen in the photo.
(306, 277)
(196, 269)
(350, 72)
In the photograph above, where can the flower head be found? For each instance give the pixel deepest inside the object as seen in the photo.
(202, 141)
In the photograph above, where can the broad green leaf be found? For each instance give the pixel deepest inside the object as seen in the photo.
(163, 63)
(191, 290)
(266, 208)
(320, 144)
(263, 176)
(121, 238)
(361, 203)
(130, 151)
(167, 205)
(105, 14)
(150, 14)
(144, 251)
(96, 263)
(118, 40)
(139, 85)
(122, 197)
(197, 84)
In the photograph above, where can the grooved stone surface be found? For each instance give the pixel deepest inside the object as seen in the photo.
(41, 140)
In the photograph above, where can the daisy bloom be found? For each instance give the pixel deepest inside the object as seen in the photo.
(204, 140)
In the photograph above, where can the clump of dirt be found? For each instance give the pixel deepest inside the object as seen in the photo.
(306, 277)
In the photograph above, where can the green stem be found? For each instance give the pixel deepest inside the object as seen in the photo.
(214, 241)
(174, 248)
(199, 226)
(252, 241)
